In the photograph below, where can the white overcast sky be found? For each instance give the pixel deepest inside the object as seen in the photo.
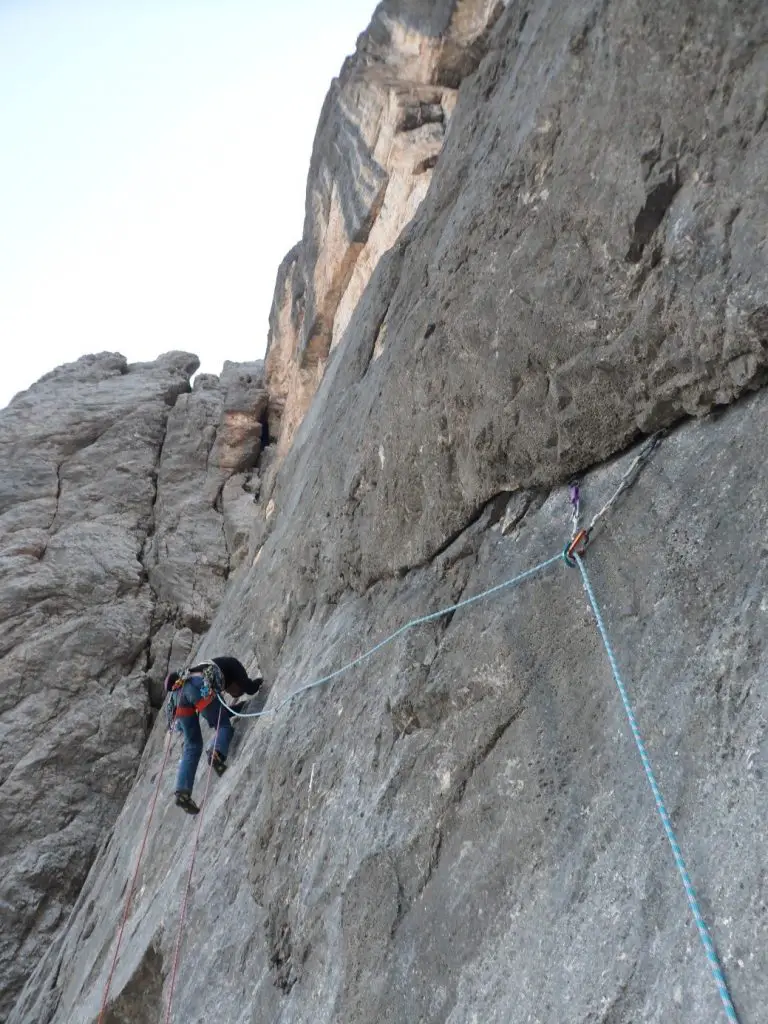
(153, 163)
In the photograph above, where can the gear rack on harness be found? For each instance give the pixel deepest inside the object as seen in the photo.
(212, 685)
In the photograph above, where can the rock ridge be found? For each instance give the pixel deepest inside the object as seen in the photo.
(467, 807)
(482, 776)
(108, 569)
(380, 132)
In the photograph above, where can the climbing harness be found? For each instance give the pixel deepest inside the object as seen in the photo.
(573, 555)
(185, 900)
(212, 685)
(132, 886)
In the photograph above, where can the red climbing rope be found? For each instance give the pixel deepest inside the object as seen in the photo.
(183, 914)
(132, 886)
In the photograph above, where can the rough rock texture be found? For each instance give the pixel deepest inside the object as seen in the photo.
(380, 133)
(459, 830)
(510, 336)
(206, 488)
(111, 551)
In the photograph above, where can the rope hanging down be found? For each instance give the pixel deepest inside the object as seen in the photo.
(185, 900)
(132, 886)
(704, 934)
(573, 556)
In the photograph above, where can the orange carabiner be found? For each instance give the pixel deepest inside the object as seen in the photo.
(578, 545)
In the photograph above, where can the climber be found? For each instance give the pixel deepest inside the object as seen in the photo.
(193, 693)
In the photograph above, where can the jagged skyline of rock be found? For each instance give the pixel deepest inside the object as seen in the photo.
(125, 503)
(461, 830)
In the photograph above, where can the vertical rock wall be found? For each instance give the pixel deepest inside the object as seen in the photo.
(380, 132)
(207, 487)
(459, 829)
(124, 503)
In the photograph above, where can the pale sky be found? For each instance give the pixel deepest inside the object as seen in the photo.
(153, 164)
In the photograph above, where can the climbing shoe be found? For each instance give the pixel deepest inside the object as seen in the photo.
(217, 762)
(186, 803)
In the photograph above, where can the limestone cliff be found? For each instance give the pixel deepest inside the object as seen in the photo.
(121, 509)
(460, 829)
(380, 133)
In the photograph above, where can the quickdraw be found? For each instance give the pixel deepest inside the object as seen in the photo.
(576, 546)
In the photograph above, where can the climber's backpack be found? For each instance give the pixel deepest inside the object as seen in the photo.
(212, 684)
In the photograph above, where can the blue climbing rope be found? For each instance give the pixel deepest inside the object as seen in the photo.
(398, 632)
(573, 556)
(706, 938)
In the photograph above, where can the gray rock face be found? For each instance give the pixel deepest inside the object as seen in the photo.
(511, 336)
(206, 489)
(460, 829)
(381, 130)
(113, 550)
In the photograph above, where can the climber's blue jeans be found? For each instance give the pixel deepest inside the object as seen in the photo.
(189, 727)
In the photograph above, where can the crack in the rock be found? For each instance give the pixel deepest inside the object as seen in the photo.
(218, 507)
(658, 199)
(228, 567)
(435, 849)
(50, 528)
(454, 798)
(494, 507)
(497, 734)
(457, 794)
(214, 438)
(472, 520)
(733, 213)
(143, 554)
(445, 621)
(378, 326)
(58, 496)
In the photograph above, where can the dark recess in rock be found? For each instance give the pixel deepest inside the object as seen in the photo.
(657, 202)
(458, 828)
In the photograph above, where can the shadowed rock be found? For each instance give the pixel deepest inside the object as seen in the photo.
(460, 829)
(381, 129)
(125, 500)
